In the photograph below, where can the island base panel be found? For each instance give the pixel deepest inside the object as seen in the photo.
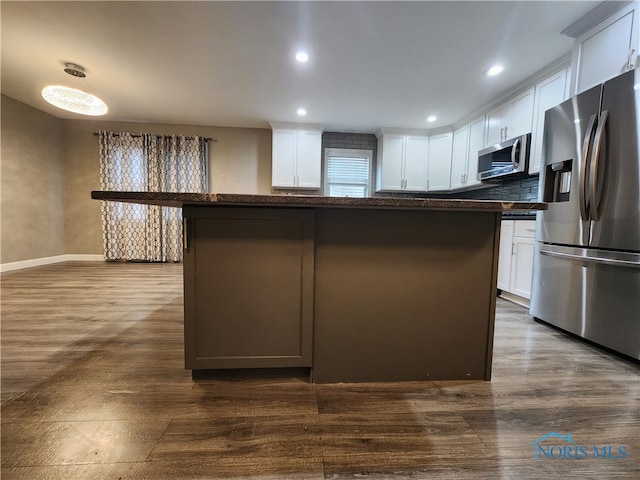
(404, 295)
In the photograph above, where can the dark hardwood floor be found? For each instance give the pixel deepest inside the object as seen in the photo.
(93, 387)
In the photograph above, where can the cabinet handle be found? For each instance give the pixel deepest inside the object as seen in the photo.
(185, 235)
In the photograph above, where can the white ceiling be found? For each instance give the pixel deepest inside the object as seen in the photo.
(372, 64)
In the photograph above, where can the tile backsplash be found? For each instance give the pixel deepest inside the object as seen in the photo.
(517, 190)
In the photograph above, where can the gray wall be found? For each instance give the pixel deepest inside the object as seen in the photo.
(49, 167)
(32, 168)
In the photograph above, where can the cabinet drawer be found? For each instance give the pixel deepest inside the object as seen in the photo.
(524, 228)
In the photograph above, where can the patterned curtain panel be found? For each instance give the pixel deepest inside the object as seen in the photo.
(148, 163)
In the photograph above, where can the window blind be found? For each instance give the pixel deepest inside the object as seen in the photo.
(348, 176)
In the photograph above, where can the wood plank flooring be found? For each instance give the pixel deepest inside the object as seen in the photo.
(94, 387)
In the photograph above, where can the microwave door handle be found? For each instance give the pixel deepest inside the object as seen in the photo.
(515, 160)
(595, 176)
(586, 144)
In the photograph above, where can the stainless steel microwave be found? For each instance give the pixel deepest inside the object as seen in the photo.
(505, 160)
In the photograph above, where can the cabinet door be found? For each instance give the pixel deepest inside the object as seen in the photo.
(459, 157)
(390, 171)
(309, 154)
(439, 166)
(496, 122)
(248, 287)
(504, 257)
(415, 163)
(520, 115)
(476, 143)
(605, 50)
(549, 93)
(284, 151)
(522, 266)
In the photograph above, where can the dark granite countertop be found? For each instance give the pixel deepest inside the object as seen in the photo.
(203, 199)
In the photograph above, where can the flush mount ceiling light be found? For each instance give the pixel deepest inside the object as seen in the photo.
(73, 99)
(301, 112)
(495, 70)
(431, 118)
(302, 57)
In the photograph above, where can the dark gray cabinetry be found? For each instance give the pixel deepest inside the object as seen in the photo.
(248, 276)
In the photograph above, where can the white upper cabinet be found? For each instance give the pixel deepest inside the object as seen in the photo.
(415, 167)
(391, 163)
(476, 143)
(460, 157)
(402, 163)
(309, 165)
(284, 157)
(439, 166)
(513, 118)
(296, 157)
(549, 92)
(496, 121)
(607, 49)
(467, 141)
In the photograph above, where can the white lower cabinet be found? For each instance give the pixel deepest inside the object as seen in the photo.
(515, 262)
(522, 266)
(504, 257)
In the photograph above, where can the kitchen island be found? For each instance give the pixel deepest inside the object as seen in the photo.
(355, 290)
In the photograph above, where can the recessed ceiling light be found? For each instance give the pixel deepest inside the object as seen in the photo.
(301, 112)
(431, 118)
(495, 70)
(302, 57)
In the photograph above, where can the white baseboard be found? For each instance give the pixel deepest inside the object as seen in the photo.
(37, 262)
(512, 297)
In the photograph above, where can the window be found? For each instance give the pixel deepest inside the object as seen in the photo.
(347, 172)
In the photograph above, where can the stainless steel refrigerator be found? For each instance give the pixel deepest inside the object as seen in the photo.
(587, 258)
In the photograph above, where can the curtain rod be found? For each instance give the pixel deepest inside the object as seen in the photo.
(206, 139)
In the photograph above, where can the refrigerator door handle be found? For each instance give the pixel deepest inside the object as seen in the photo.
(595, 176)
(586, 144)
(616, 259)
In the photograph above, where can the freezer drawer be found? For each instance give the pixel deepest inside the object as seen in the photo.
(594, 297)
